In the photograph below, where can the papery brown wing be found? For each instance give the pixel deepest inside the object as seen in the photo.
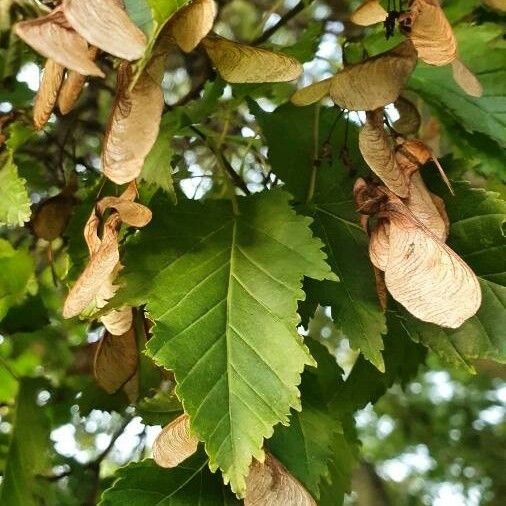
(133, 126)
(270, 483)
(104, 260)
(500, 5)
(377, 149)
(238, 63)
(369, 13)
(312, 93)
(117, 322)
(376, 82)
(421, 204)
(73, 86)
(51, 218)
(441, 208)
(175, 443)
(47, 94)
(429, 279)
(466, 79)
(104, 24)
(131, 213)
(116, 360)
(192, 23)
(409, 118)
(379, 245)
(52, 37)
(431, 33)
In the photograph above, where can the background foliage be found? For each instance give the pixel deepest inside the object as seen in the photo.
(436, 432)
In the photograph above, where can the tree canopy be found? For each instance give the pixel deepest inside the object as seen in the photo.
(252, 252)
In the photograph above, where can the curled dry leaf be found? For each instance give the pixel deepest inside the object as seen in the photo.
(175, 443)
(376, 82)
(238, 63)
(47, 95)
(312, 93)
(131, 213)
(133, 126)
(52, 37)
(192, 23)
(409, 118)
(106, 25)
(376, 147)
(429, 279)
(431, 33)
(466, 79)
(369, 13)
(73, 85)
(103, 261)
(116, 360)
(270, 483)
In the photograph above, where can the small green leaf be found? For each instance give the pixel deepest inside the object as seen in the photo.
(27, 455)
(146, 484)
(14, 199)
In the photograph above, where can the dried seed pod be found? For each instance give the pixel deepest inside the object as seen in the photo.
(117, 322)
(106, 25)
(431, 33)
(466, 79)
(116, 360)
(376, 147)
(409, 118)
(376, 82)
(51, 218)
(270, 483)
(379, 245)
(133, 126)
(131, 213)
(369, 12)
(238, 63)
(175, 443)
(47, 94)
(429, 279)
(312, 93)
(73, 86)
(192, 23)
(52, 37)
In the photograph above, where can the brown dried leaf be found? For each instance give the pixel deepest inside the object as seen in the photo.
(132, 388)
(431, 33)
(270, 483)
(52, 37)
(376, 82)
(175, 443)
(73, 85)
(133, 126)
(429, 279)
(238, 63)
(131, 213)
(379, 245)
(312, 93)
(47, 95)
(192, 23)
(466, 79)
(376, 147)
(104, 24)
(116, 360)
(409, 118)
(104, 259)
(369, 12)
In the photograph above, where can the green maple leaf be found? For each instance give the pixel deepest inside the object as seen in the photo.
(481, 50)
(146, 484)
(14, 199)
(354, 302)
(478, 235)
(223, 291)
